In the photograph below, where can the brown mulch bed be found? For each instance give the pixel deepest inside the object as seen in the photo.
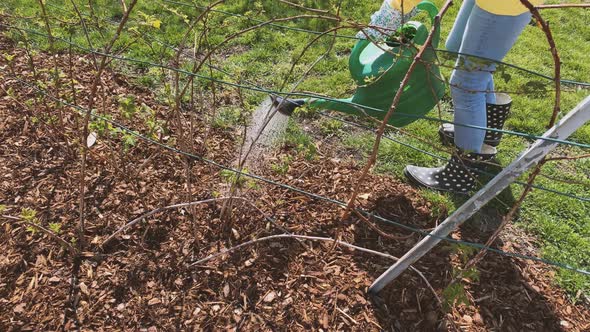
(144, 280)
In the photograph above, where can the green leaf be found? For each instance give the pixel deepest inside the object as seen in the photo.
(29, 215)
(454, 294)
(55, 227)
(471, 274)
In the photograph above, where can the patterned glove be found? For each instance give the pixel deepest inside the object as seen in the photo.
(387, 19)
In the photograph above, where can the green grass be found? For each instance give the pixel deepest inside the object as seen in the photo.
(265, 56)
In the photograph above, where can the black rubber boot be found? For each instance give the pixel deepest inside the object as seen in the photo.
(458, 175)
(285, 105)
(496, 115)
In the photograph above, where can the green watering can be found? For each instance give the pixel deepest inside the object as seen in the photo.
(378, 71)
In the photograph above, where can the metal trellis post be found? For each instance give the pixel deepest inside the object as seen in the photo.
(562, 130)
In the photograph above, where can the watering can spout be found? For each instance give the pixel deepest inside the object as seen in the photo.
(286, 106)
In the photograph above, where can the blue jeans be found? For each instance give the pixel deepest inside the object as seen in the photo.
(486, 35)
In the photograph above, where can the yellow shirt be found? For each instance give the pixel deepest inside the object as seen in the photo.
(498, 7)
(505, 7)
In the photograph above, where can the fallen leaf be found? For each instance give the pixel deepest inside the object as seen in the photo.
(325, 320)
(154, 301)
(20, 308)
(477, 319)
(235, 233)
(84, 288)
(270, 297)
(467, 319)
(91, 139)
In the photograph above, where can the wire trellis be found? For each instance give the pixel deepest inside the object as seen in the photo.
(271, 23)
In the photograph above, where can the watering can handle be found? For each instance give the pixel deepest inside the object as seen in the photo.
(354, 59)
(429, 7)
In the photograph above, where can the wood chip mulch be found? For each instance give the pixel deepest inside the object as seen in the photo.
(144, 281)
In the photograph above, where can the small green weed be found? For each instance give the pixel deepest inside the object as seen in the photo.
(238, 180)
(330, 127)
(55, 227)
(103, 127)
(30, 216)
(228, 118)
(282, 166)
(300, 141)
(305, 112)
(453, 295)
(127, 106)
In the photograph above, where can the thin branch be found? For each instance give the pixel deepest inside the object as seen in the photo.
(313, 238)
(564, 5)
(92, 95)
(45, 231)
(180, 205)
(507, 218)
(124, 5)
(322, 11)
(85, 30)
(556, 59)
(158, 210)
(378, 230)
(584, 156)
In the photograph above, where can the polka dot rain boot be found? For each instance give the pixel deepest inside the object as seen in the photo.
(496, 115)
(459, 175)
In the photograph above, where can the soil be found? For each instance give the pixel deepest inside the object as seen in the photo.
(144, 279)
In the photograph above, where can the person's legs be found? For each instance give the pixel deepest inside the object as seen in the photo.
(491, 95)
(488, 36)
(455, 37)
(453, 43)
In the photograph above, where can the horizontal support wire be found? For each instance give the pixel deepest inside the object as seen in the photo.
(477, 170)
(313, 32)
(293, 94)
(161, 145)
(408, 145)
(483, 172)
(549, 78)
(539, 187)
